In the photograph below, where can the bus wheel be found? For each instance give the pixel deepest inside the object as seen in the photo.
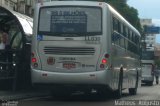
(118, 93)
(133, 91)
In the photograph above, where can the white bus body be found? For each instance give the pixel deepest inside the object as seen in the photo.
(76, 43)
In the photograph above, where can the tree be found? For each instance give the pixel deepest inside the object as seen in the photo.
(129, 13)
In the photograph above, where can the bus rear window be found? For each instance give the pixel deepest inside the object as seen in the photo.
(70, 20)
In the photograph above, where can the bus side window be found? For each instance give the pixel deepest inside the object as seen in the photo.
(124, 30)
(128, 33)
(126, 43)
(133, 37)
(119, 27)
(122, 43)
(115, 38)
(115, 24)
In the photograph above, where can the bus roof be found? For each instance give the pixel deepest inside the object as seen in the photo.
(122, 19)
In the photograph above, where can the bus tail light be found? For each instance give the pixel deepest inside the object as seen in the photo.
(106, 55)
(102, 66)
(34, 60)
(104, 61)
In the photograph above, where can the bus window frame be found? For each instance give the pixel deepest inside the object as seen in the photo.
(48, 33)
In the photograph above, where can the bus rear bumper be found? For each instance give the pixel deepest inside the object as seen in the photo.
(87, 78)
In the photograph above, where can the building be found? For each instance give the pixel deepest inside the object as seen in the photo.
(149, 38)
(9, 4)
(22, 6)
(25, 7)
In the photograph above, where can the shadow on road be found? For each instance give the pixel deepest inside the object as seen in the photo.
(85, 97)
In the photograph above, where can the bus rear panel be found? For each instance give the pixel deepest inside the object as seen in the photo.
(68, 45)
(82, 44)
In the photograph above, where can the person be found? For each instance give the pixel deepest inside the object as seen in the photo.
(2, 54)
(2, 45)
(156, 73)
(4, 37)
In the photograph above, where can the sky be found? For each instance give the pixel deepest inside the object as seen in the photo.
(149, 9)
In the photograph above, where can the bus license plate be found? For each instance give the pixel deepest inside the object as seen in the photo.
(69, 65)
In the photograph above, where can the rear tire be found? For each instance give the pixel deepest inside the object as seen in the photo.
(118, 93)
(133, 91)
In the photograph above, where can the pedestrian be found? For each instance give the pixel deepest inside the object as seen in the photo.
(156, 73)
(2, 53)
(4, 37)
(2, 45)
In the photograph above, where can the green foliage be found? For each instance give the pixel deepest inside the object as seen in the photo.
(129, 13)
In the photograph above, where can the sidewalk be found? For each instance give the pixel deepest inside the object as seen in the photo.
(23, 94)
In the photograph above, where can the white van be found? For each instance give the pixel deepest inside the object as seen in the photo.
(147, 72)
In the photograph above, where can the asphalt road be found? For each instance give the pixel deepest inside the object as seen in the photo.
(143, 97)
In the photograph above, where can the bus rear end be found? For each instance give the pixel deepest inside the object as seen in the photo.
(67, 44)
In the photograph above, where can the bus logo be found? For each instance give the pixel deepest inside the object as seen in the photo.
(50, 61)
(39, 37)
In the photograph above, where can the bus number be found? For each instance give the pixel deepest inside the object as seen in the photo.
(92, 40)
(88, 38)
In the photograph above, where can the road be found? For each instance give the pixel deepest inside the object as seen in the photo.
(144, 93)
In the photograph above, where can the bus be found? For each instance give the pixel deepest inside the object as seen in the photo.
(147, 61)
(84, 45)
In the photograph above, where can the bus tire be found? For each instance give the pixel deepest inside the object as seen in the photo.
(118, 93)
(133, 91)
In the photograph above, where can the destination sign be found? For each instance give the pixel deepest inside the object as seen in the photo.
(68, 21)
